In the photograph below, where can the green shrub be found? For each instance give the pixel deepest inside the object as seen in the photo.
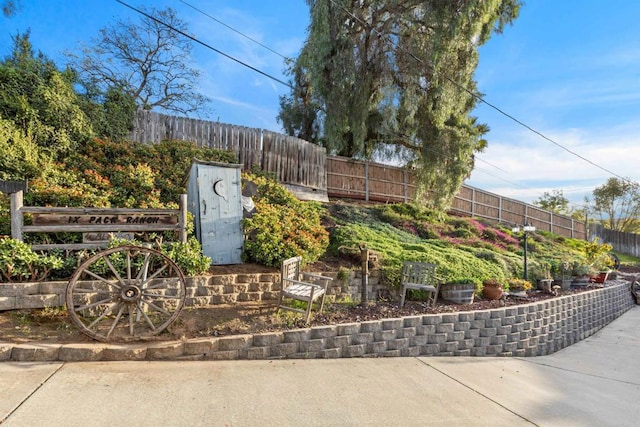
(141, 175)
(59, 186)
(19, 263)
(188, 256)
(282, 226)
(20, 156)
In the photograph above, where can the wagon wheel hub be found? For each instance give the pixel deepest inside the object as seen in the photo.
(130, 293)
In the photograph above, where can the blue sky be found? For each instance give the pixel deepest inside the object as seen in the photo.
(569, 69)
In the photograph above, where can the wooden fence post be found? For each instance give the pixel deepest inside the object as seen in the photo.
(16, 215)
(364, 254)
(182, 218)
(366, 180)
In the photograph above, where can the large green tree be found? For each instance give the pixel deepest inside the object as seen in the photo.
(149, 60)
(395, 79)
(617, 204)
(40, 100)
(554, 202)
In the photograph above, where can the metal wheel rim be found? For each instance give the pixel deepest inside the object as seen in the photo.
(125, 293)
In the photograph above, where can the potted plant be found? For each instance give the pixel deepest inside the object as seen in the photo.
(460, 291)
(598, 257)
(581, 273)
(518, 287)
(491, 289)
(602, 265)
(542, 273)
(562, 273)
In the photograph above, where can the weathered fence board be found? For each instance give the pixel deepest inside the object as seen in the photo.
(310, 173)
(626, 243)
(373, 182)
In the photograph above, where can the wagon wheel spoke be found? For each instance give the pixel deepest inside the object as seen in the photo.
(108, 311)
(125, 293)
(102, 279)
(147, 319)
(116, 320)
(142, 274)
(95, 304)
(113, 270)
(146, 280)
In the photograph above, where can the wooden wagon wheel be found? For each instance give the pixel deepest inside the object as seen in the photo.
(635, 288)
(125, 293)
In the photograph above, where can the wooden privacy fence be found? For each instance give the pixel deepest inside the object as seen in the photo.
(369, 181)
(626, 243)
(294, 161)
(311, 174)
(381, 183)
(478, 203)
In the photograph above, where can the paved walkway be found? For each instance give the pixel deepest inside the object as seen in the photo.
(595, 382)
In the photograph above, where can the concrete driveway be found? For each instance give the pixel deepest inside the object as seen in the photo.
(595, 382)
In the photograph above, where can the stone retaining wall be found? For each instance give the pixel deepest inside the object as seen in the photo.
(201, 291)
(528, 330)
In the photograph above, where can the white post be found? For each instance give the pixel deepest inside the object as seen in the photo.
(182, 219)
(16, 215)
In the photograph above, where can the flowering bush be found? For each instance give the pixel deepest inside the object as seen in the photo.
(282, 227)
(515, 285)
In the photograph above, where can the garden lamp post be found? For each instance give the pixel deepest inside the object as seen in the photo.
(527, 228)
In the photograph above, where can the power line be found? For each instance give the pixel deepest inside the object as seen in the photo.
(204, 44)
(490, 164)
(502, 179)
(236, 31)
(478, 97)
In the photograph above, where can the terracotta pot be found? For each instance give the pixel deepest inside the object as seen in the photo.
(491, 291)
(601, 277)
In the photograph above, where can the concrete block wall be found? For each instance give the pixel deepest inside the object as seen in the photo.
(201, 291)
(528, 330)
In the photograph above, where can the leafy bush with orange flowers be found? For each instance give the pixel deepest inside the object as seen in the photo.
(283, 226)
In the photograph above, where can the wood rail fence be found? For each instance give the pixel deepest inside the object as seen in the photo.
(307, 170)
(95, 223)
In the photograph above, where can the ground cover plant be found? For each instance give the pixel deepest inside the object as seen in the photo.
(461, 247)
(105, 173)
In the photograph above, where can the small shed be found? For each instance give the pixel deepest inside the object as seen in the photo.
(214, 199)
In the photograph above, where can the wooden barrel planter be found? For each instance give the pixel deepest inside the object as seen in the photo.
(458, 293)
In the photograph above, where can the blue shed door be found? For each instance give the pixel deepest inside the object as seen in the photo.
(220, 213)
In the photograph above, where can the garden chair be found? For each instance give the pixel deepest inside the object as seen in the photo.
(300, 286)
(419, 276)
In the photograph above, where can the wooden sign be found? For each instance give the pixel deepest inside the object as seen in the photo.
(93, 220)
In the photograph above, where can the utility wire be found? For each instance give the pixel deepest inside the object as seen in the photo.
(502, 179)
(236, 31)
(287, 58)
(204, 44)
(478, 97)
(490, 164)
